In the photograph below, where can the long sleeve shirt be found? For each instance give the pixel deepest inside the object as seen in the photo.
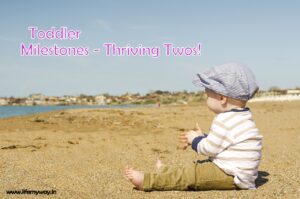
(234, 145)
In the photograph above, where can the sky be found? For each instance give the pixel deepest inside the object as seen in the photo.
(264, 35)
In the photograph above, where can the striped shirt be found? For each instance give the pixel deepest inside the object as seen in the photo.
(234, 145)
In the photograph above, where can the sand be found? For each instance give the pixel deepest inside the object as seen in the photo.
(82, 153)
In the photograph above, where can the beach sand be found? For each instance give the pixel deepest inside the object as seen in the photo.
(82, 153)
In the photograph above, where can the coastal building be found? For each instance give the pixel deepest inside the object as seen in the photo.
(36, 99)
(37, 96)
(3, 101)
(62, 100)
(293, 92)
(52, 100)
(29, 102)
(100, 99)
(70, 99)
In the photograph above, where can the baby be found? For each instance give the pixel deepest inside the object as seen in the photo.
(233, 143)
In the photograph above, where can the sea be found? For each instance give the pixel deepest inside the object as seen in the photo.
(12, 111)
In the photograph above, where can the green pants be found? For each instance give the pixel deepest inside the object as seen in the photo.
(201, 175)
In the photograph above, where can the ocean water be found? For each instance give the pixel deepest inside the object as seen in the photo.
(11, 111)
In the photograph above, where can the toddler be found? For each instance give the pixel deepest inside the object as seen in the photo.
(233, 144)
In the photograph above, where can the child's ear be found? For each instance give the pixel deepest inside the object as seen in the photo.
(223, 99)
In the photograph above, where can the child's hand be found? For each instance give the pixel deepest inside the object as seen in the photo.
(187, 138)
(191, 135)
(183, 139)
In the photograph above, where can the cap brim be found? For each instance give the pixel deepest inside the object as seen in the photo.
(198, 81)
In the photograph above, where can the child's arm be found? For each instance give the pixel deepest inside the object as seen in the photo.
(188, 137)
(216, 141)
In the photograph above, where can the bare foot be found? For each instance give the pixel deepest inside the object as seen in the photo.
(158, 164)
(135, 177)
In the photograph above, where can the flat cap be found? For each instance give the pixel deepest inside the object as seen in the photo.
(231, 79)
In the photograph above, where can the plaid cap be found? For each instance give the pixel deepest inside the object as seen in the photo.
(231, 79)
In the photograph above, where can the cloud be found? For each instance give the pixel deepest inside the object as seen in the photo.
(104, 25)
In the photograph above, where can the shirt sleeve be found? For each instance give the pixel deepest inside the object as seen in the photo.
(196, 142)
(217, 140)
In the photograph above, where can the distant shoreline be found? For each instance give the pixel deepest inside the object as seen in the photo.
(21, 110)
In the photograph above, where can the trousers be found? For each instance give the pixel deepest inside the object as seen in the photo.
(197, 176)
